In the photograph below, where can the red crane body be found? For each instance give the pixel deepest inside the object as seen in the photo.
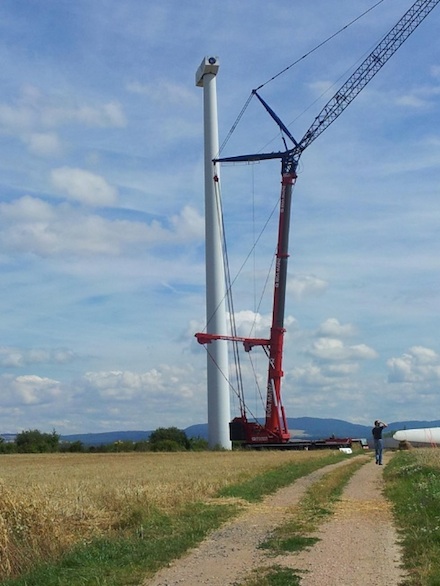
(275, 431)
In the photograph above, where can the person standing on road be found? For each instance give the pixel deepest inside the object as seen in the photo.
(378, 441)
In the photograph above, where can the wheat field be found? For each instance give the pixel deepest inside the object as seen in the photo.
(49, 502)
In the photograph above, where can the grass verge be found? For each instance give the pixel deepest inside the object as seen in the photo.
(412, 483)
(259, 486)
(129, 555)
(273, 576)
(316, 505)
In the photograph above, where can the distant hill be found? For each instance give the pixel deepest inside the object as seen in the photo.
(412, 424)
(314, 428)
(8, 437)
(305, 427)
(300, 427)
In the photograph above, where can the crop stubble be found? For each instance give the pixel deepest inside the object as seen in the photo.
(50, 502)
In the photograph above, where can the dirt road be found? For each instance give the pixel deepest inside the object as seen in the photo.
(357, 546)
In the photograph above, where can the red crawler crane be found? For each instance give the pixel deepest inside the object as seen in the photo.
(274, 431)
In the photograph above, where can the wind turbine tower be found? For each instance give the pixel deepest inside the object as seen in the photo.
(217, 351)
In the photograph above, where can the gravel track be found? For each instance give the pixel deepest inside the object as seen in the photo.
(358, 546)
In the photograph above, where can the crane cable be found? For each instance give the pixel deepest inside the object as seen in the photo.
(238, 389)
(320, 44)
(244, 108)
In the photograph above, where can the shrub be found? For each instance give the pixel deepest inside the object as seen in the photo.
(171, 434)
(35, 442)
(166, 445)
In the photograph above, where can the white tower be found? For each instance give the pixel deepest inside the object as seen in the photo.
(217, 351)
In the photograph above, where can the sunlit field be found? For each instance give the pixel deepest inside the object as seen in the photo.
(50, 502)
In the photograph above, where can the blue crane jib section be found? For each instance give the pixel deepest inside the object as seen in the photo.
(347, 93)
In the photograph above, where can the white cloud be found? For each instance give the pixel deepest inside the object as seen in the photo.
(16, 118)
(424, 355)
(418, 365)
(44, 144)
(16, 357)
(331, 327)
(29, 390)
(35, 112)
(108, 115)
(83, 186)
(165, 92)
(303, 286)
(322, 88)
(27, 209)
(333, 349)
(340, 370)
(420, 96)
(252, 324)
(173, 392)
(168, 382)
(188, 224)
(307, 375)
(411, 100)
(30, 225)
(104, 400)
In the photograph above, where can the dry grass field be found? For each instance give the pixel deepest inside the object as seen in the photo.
(427, 457)
(50, 502)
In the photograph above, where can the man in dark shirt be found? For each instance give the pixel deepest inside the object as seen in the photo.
(378, 441)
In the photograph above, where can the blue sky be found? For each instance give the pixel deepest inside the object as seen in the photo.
(101, 210)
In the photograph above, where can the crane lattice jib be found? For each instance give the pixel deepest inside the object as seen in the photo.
(275, 428)
(347, 93)
(365, 72)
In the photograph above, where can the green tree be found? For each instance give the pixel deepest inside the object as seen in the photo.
(198, 444)
(166, 445)
(34, 441)
(76, 446)
(122, 446)
(7, 447)
(143, 446)
(168, 436)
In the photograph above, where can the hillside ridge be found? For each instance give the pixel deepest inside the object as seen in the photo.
(300, 428)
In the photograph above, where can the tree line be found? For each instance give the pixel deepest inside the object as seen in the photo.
(163, 439)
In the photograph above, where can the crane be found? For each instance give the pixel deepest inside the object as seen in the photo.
(275, 431)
